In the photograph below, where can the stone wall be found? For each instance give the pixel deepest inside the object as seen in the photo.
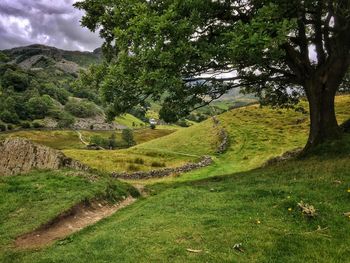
(223, 136)
(205, 161)
(19, 155)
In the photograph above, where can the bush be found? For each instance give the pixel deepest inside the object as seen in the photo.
(157, 164)
(16, 79)
(182, 123)
(37, 125)
(2, 127)
(128, 137)
(39, 107)
(59, 94)
(82, 109)
(65, 120)
(110, 143)
(10, 127)
(139, 161)
(9, 117)
(132, 168)
(25, 125)
(152, 126)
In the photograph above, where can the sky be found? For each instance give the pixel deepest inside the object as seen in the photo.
(48, 22)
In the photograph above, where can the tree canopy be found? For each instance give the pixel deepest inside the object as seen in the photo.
(191, 52)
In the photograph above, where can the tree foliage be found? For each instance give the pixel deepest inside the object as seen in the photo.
(195, 51)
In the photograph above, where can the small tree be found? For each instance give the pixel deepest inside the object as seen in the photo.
(128, 137)
(112, 141)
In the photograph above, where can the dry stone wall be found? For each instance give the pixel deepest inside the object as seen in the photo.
(205, 161)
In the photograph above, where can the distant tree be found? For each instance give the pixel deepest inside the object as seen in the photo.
(128, 137)
(9, 117)
(18, 80)
(89, 82)
(112, 141)
(82, 108)
(59, 94)
(39, 107)
(277, 49)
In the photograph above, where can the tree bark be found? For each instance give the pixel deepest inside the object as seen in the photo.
(323, 121)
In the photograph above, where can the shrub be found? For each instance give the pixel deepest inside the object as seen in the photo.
(16, 79)
(110, 143)
(59, 94)
(25, 125)
(152, 126)
(132, 168)
(139, 161)
(10, 127)
(37, 124)
(9, 117)
(2, 127)
(182, 123)
(128, 137)
(39, 107)
(157, 164)
(82, 109)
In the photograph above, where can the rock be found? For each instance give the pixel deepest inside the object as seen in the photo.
(20, 156)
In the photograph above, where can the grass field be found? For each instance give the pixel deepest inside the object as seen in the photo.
(256, 134)
(130, 121)
(66, 139)
(28, 201)
(212, 210)
(257, 209)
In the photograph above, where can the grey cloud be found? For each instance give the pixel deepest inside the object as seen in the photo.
(48, 22)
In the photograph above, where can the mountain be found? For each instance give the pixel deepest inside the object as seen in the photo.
(38, 57)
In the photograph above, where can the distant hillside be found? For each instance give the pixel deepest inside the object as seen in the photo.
(38, 57)
(38, 88)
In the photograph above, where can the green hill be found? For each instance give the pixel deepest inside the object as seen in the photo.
(255, 134)
(259, 215)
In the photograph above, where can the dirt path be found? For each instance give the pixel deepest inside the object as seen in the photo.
(81, 138)
(74, 220)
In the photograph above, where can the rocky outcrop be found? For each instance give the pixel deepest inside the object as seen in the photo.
(21, 155)
(96, 123)
(159, 173)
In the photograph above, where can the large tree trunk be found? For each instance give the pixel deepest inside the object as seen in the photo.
(324, 125)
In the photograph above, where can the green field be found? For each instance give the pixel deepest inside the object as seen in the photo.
(200, 216)
(66, 139)
(29, 201)
(256, 134)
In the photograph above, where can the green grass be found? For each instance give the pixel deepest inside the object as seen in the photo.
(28, 201)
(129, 121)
(233, 201)
(55, 139)
(214, 214)
(68, 140)
(256, 134)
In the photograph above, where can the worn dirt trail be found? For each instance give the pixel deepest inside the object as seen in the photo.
(72, 221)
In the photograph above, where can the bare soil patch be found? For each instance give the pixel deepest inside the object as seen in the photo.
(77, 218)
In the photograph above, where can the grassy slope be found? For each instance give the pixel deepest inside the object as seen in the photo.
(213, 215)
(173, 150)
(28, 201)
(256, 134)
(67, 140)
(248, 207)
(129, 121)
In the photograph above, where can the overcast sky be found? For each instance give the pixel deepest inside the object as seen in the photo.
(48, 22)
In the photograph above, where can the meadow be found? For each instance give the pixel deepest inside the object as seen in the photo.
(236, 210)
